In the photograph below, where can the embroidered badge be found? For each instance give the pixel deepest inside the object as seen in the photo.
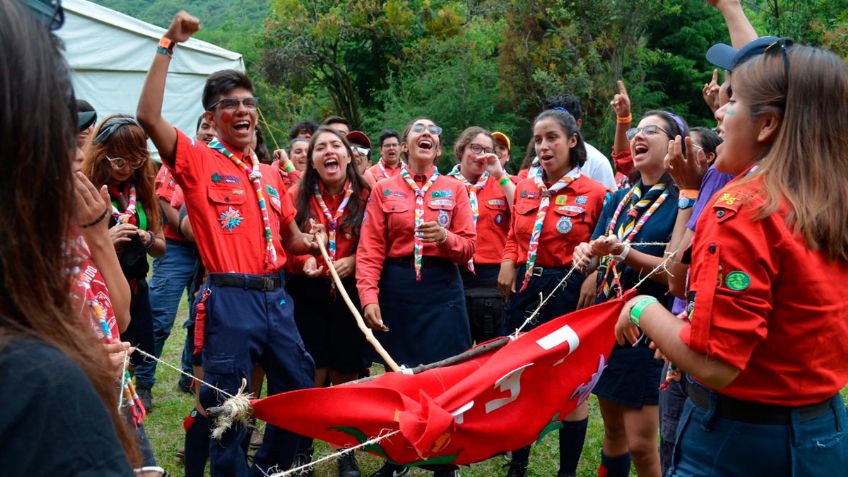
(441, 203)
(444, 218)
(216, 178)
(499, 202)
(442, 193)
(231, 179)
(564, 225)
(572, 209)
(737, 280)
(387, 192)
(230, 219)
(524, 193)
(498, 219)
(238, 191)
(272, 191)
(728, 198)
(580, 200)
(398, 193)
(561, 200)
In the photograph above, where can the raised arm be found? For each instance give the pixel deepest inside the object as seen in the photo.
(149, 111)
(740, 29)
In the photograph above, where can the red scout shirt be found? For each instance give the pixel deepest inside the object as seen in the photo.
(346, 240)
(225, 215)
(766, 304)
(89, 286)
(290, 178)
(389, 224)
(380, 171)
(492, 223)
(571, 219)
(167, 190)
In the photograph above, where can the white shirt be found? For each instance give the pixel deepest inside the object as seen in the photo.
(598, 167)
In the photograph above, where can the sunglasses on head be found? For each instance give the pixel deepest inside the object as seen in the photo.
(781, 46)
(420, 128)
(110, 126)
(361, 150)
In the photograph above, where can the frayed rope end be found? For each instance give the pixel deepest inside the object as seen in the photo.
(236, 409)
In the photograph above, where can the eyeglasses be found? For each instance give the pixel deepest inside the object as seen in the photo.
(362, 150)
(419, 128)
(478, 149)
(120, 162)
(110, 126)
(231, 104)
(649, 130)
(781, 44)
(390, 146)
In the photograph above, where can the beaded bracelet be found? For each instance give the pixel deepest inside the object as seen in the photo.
(624, 119)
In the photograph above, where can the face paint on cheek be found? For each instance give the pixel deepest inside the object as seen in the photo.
(730, 112)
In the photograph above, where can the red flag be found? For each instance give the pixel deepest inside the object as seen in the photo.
(467, 412)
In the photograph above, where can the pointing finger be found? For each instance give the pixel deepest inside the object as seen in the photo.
(621, 88)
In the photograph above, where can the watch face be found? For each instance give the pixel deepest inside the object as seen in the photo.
(685, 203)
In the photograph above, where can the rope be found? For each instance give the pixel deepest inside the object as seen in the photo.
(543, 302)
(314, 463)
(148, 355)
(123, 381)
(268, 128)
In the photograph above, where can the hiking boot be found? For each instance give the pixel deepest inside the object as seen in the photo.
(517, 469)
(146, 398)
(184, 385)
(391, 470)
(348, 466)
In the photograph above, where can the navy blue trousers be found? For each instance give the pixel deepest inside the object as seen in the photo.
(242, 327)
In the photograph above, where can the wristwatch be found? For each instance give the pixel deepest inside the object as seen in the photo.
(685, 203)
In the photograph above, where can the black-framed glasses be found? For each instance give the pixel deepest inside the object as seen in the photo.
(110, 126)
(231, 104)
(120, 162)
(478, 149)
(649, 130)
(420, 128)
(781, 45)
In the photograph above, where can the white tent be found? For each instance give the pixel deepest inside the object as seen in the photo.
(109, 54)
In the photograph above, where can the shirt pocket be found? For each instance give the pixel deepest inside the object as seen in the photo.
(526, 207)
(228, 204)
(498, 211)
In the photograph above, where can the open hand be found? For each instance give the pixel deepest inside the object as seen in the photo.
(90, 204)
(311, 268)
(687, 171)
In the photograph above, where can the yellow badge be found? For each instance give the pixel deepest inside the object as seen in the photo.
(728, 198)
(561, 200)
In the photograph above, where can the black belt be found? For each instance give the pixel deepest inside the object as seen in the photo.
(544, 271)
(253, 282)
(753, 412)
(408, 262)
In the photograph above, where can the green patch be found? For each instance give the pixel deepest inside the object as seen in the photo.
(387, 192)
(737, 280)
(555, 424)
(360, 438)
(216, 177)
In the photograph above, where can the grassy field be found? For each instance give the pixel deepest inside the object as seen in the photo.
(164, 426)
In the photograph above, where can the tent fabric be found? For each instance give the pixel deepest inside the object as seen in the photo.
(467, 412)
(109, 54)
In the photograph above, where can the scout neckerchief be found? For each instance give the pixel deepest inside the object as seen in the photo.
(137, 410)
(255, 177)
(472, 197)
(544, 204)
(383, 170)
(636, 219)
(126, 216)
(535, 167)
(333, 219)
(418, 245)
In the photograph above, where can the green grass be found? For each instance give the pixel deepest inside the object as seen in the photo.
(164, 427)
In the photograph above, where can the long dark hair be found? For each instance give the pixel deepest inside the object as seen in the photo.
(310, 179)
(38, 133)
(127, 141)
(577, 155)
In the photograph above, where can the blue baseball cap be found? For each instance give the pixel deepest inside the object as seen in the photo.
(726, 57)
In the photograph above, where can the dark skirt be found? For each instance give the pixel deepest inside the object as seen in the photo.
(427, 320)
(632, 377)
(483, 302)
(524, 303)
(327, 326)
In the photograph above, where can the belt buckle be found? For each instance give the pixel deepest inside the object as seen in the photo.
(537, 271)
(267, 283)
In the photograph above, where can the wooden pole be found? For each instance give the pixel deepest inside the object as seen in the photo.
(369, 335)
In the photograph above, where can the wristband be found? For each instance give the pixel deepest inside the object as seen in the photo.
(638, 307)
(152, 241)
(621, 256)
(689, 193)
(97, 220)
(289, 167)
(166, 47)
(624, 119)
(504, 180)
